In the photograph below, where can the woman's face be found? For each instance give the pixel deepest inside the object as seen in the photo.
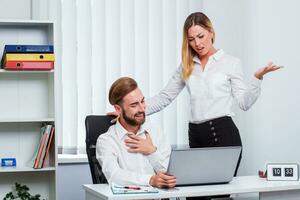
(200, 40)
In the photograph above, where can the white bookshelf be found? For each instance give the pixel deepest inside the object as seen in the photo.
(27, 101)
(26, 120)
(25, 72)
(24, 169)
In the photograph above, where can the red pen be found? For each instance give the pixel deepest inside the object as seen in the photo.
(132, 187)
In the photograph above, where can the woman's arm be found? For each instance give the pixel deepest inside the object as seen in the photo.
(244, 93)
(247, 94)
(166, 95)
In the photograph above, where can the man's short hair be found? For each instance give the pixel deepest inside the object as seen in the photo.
(120, 88)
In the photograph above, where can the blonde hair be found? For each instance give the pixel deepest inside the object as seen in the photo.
(187, 53)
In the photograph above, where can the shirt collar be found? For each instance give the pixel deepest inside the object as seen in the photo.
(196, 59)
(122, 132)
(216, 56)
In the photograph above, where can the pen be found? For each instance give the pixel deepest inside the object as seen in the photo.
(132, 187)
(128, 187)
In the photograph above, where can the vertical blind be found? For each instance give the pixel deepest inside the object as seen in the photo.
(97, 41)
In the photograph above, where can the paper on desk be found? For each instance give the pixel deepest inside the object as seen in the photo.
(127, 189)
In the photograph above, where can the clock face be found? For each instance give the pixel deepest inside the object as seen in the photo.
(289, 172)
(277, 171)
(282, 172)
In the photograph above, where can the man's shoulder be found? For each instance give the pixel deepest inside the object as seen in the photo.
(108, 135)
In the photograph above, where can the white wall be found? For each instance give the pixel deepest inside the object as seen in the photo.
(70, 179)
(103, 40)
(15, 9)
(271, 127)
(256, 31)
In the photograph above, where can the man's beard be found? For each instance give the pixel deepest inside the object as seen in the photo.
(133, 121)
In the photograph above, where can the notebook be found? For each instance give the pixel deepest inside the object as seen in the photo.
(198, 166)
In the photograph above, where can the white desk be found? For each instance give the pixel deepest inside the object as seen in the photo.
(268, 190)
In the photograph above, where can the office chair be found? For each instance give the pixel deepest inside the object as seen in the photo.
(95, 125)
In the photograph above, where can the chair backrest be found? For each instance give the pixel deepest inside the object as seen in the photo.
(95, 125)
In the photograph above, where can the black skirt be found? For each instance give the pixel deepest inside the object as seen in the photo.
(219, 132)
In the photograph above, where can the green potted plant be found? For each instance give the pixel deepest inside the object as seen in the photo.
(21, 192)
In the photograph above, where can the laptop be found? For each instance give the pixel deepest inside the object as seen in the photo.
(200, 166)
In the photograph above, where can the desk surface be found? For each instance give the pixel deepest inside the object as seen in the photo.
(241, 184)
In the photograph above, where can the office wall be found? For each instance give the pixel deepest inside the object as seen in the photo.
(70, 179)
(15, 9)
(103, 40)
(258, 31)
(271, 128)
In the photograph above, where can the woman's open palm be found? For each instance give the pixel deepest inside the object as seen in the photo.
(264, 70)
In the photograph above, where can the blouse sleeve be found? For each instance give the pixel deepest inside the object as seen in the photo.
(166, 95)
(245, 93)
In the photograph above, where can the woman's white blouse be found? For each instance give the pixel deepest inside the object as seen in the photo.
(211, 90)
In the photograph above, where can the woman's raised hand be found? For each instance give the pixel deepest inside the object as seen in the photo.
(264, 70)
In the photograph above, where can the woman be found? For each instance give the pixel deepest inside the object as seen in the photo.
(213, 79)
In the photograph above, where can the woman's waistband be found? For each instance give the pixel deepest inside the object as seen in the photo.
(212, 121)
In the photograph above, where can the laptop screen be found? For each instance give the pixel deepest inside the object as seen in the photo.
(197, 166)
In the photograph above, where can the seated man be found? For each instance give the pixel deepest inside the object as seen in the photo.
(131, 151)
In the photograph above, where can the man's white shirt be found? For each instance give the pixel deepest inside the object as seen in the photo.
(121, 167)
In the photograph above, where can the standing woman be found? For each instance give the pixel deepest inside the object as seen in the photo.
(213, 80)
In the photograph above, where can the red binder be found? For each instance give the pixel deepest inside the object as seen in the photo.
(22, 65)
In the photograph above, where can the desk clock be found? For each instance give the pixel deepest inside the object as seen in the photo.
(282, 172)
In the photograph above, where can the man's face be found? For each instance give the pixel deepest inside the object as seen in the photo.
(133, 108)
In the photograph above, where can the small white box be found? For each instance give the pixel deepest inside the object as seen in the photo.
(282, 172)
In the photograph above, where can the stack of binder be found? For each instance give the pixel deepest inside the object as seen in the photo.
(40, 157)
(28, 57)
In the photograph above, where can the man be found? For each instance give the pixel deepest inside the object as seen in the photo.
(131, 151)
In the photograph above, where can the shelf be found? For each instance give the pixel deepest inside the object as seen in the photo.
(25, 22)
(26, 72)
(25, 169)
(26, 120)
(28, 101)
